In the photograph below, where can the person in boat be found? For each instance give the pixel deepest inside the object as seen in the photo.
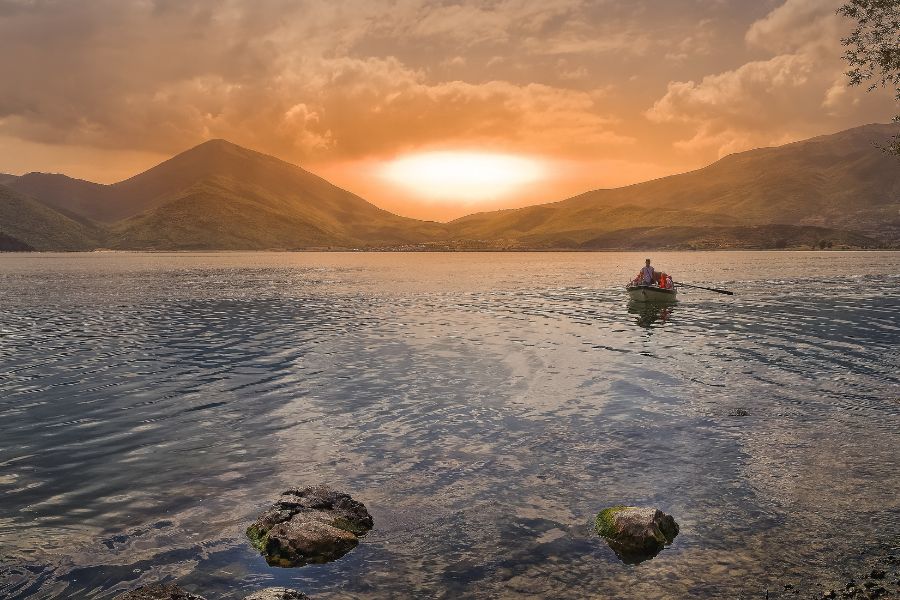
(647, 274)
(665, 281)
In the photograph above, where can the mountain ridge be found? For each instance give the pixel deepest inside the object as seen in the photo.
(218, 195)
(758, 187)
(36, 225)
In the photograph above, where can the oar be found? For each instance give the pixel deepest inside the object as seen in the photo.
(700, 287)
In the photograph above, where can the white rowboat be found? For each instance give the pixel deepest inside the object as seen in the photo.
(651, 293)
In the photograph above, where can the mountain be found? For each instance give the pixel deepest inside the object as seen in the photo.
(838, 182)
(221, 196)
(836, 189)
(220, 214)
(66, 194)
(11, 244)
(41, 227)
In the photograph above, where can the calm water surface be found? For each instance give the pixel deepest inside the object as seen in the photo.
(483, 406)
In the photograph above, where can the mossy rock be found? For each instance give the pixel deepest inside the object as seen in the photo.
(257, 537)
(634, 533)
(309, 525)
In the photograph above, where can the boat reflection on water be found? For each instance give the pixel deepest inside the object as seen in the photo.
(649, 314)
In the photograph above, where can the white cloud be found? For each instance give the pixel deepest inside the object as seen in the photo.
(799, 92)
(796, 25)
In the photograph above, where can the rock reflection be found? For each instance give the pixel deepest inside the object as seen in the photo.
(630, 557)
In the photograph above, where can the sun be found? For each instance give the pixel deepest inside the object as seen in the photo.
(463, 175)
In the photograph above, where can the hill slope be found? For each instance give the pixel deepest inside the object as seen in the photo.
(221, 196)
(43, 228)
(11, 244)
(837, 181)
(218, 214)
(66, 194)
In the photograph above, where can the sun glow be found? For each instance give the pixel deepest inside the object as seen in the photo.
(463, 176)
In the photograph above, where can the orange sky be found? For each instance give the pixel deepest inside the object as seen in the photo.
(599, 94)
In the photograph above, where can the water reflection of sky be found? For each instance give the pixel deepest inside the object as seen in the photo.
(483, 407)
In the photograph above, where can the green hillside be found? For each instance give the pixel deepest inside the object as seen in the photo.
(42, 227)
(219, 195)
(11, 244)
(74, 197)
(838, 181)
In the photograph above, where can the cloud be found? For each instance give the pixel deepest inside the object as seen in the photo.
(281, 76)
(484, 22)
(796, 25)
(698, 43)
(398, 110)
(315, 81)
(569, 72)
(748, 95)
(798, 92)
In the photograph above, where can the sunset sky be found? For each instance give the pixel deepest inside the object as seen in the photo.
(513, 101)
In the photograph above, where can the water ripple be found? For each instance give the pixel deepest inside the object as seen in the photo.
(484, 407)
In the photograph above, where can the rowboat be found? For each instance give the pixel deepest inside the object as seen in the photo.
(651, 293)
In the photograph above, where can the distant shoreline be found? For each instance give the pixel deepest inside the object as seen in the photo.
(444, 251)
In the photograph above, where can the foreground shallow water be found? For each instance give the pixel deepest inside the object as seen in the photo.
(483, 406)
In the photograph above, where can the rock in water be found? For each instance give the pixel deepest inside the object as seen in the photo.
(309, 525)
(277, 594)
(158, 591)
(636, 534)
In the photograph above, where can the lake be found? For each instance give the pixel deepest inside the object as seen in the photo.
(483, 406)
